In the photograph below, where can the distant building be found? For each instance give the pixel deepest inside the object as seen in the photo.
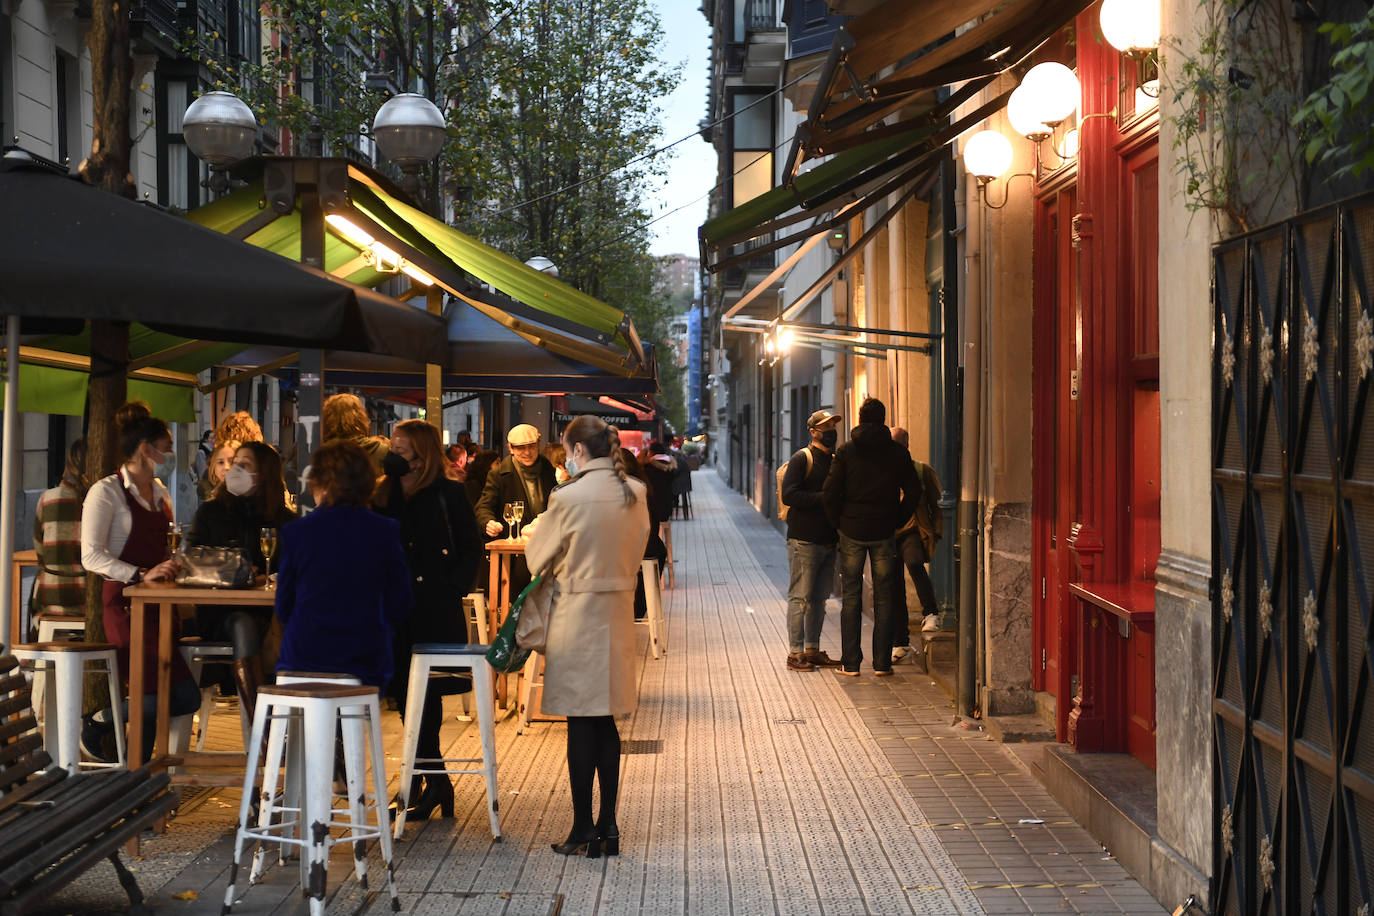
(678, 273)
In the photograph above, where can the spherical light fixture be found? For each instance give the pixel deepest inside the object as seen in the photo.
(1052, 92)
(409, 130)
(1022, 115)
(543, 265)
(987, 155)
(219, 129)
(1131, 26)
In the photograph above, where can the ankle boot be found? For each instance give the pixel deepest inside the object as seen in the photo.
(438, 794)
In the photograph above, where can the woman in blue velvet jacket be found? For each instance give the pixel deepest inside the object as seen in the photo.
(343, 585)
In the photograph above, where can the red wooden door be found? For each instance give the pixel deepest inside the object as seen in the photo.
(1056, 455)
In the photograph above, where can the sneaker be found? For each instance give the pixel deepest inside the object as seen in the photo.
(93, 738)
(797, 661)
(818, 658)
(845, 672)
(931, 624)
(900, 653)
(882, 672)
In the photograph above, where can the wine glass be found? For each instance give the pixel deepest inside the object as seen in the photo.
(518, 510)
(508, 514)
(174, 532)
(267, 540)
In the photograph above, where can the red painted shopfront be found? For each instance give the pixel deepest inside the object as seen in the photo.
(1096, 507)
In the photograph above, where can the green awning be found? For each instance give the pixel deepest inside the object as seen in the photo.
(823, 178)
(49, 389)
(538, 307)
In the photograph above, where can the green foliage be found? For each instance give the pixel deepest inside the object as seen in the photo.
(1233, 87)
(540, 96)
(1337, 119)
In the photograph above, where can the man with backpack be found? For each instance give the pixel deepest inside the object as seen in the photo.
(810, 543)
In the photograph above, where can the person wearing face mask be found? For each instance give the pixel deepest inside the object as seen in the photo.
(251, 497)
(442, 547)
(124, 541)
(811, 543)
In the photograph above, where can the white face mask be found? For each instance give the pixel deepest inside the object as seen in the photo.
(165, 463)
(238, 481)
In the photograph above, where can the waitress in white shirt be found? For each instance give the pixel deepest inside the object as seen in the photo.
(124, 540)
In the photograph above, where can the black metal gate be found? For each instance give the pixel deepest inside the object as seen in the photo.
(1293, 566)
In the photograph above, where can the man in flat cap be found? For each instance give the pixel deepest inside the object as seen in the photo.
(524, 475)
(810, 544)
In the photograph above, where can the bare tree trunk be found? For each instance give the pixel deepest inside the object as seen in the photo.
(107, 167)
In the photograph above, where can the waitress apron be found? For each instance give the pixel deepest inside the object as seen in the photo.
(146, 547)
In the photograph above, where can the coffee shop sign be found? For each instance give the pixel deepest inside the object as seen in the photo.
(621, 420)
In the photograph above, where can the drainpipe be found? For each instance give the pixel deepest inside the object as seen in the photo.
(971, 456)
(9, 467)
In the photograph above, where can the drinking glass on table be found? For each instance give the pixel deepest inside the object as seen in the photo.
(518, 510)
(174, 533)
(267, 540)
(508, 515)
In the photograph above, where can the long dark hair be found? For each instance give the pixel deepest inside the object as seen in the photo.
(600, 439)
(269, 500)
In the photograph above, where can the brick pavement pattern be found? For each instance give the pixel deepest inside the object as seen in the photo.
(746, 788)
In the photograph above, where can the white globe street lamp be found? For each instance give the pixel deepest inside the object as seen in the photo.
(543, 265)
(1131, 26)
(987, 155)
(1023, 117)
(219, 129)
(1052, 93)
(409, 130)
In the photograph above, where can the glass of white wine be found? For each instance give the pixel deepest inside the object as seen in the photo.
(518, 509)
(508, 515)
(267, 540)
(174, 533)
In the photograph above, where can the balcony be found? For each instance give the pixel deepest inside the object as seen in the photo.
(762, 15)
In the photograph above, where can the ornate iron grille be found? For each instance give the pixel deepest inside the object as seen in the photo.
(1293, 566)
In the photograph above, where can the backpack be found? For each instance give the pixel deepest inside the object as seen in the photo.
(782, 507)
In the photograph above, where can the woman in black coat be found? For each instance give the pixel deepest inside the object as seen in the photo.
(442, 546)
(251, 497)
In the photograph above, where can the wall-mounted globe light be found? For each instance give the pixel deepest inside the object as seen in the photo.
(987, 155)
(1131, 26)
(1023, 117)
(1052, 93)
(219, 129)
(543, 265)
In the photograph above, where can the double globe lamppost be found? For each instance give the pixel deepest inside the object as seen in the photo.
(409, 131)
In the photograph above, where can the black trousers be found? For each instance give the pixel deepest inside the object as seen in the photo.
(912, 553)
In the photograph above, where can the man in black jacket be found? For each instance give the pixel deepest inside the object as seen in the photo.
(524, 475)
(870, 492)
(810, 545)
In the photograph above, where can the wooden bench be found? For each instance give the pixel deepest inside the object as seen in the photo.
(53, 825)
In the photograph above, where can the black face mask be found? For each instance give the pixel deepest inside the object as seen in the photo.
(829, 437)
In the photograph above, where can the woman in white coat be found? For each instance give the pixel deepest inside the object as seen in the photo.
(590, 541)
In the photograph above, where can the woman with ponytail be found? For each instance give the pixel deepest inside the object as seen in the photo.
(589, 542)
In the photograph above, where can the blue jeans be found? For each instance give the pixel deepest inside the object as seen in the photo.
(813, 572)
(883, 557)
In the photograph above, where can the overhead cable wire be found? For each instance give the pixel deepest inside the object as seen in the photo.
(652, 153)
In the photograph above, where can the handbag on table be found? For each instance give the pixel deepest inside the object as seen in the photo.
(215, 567)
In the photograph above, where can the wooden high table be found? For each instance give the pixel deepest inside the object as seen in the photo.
(500, 552)
(162, 599)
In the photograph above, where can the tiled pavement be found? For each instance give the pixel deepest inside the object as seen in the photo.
(746, 788)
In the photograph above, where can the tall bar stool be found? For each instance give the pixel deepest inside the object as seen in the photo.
(427, 657)
(316, 709)
(197, 652)
(66, 662)
(51, 627)
(653, 602)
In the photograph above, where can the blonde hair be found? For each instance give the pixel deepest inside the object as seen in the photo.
(238, 427)
(601, 440)
(343, 416)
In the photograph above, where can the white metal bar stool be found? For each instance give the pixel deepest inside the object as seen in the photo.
(316, 709)
(196, 652)
(66, 662)
(50, 624)
(653, 603)
(427, 657)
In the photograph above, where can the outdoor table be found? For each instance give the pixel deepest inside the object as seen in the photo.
(501, 552)
(21, 559)
(162, 598)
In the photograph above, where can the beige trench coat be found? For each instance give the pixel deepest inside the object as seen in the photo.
(592, 544)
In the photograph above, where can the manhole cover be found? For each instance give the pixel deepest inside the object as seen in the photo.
(641, 746)
(789, 721)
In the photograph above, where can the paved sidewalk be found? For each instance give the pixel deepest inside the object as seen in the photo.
(746, 788)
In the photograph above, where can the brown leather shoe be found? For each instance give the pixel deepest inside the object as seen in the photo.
(799, 662)
(818, 658)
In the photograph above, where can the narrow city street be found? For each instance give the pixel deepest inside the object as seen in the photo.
(746, 788)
